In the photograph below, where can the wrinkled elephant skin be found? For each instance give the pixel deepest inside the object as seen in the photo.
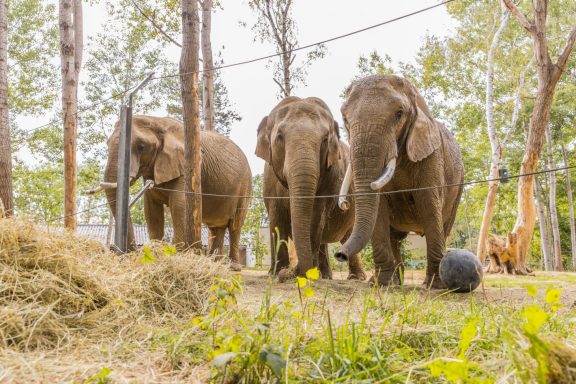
(395, 144)
(157, 153)
(300, 142)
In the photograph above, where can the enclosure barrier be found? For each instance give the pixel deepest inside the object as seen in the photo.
(124, 180)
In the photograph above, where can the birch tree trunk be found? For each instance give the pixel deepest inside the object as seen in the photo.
(570, 203)
(495, 147)
(71, 47)
(191, 118)
(208, 66)
(544, 239)
(548, 75)
(552, 204)
(6, 197)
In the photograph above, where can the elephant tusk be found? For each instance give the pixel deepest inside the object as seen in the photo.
(386, 176)
(108, 185)
(94, 191)
(342, 202)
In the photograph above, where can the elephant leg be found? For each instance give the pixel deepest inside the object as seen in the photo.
(355, 270)
(396, 238)
(384, 263)
(234, 252)
(216, 242)
(324, 263)
(279, 258)
(154, 214)
(235, 230)
(429, 204)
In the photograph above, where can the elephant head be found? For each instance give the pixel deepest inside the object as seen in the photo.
(156, 153)
(299, 139)
(387, 121)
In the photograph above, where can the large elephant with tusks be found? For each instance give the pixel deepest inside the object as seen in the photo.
(395, 145)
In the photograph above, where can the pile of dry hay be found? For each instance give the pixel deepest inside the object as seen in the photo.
(55, 287)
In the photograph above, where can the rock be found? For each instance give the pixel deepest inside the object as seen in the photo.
(461, 270)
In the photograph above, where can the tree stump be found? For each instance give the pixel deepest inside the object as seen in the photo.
(503, 253)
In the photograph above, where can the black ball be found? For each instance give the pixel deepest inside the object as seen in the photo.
(460, 270)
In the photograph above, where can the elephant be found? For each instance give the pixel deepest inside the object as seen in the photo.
(401, 159)
(300, 142)
(157, 153)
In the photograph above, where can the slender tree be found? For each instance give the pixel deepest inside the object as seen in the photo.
(548, 75)
(190, 113)
(208, 67)
(71, 47)
(543, 224)
(275, 24)
(552, 204)
(6, 198)
(570, 202)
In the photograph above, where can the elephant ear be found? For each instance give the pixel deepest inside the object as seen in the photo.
(424, 135)
(169, 163)
(263, 143)
(333, 145)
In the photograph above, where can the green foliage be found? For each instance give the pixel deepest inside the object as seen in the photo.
(33, 79)
(101, 377)
(383, 336)
(256, 219)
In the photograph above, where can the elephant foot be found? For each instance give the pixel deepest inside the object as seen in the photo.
(384, 278)
(326, 275)
(434, 282)
(235, 267)
(357, 275)
(286, 274)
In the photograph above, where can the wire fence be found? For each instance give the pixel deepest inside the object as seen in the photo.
(249, 61)
(295, 197)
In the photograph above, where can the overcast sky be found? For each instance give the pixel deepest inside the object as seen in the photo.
(251, 88)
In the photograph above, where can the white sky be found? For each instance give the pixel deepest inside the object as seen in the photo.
(251, 88)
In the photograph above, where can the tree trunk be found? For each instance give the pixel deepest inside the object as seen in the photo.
(494, 145)
(71, 46)
(208, 73)
(6, 197)
(570, 203)
(191, 119)
(548, 75)
(552, 204)
(544, 239)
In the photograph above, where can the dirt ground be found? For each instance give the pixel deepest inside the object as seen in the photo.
(342, 294)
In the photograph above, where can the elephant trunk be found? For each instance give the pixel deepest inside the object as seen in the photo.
(110, 176)
(368, 162)
(302, 182)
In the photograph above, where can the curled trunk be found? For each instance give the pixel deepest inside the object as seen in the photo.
(366, 168)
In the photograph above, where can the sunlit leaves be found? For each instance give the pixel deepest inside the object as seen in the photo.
(147, 256)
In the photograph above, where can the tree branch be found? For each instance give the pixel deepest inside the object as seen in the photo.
(281, 86)
(529, 25)
(155, 25)
(563, 58)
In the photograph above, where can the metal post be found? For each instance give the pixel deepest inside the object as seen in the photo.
(123, 180)
(123, 190)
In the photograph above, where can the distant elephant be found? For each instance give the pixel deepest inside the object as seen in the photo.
(300, 142)
(157, 153)
(397, 145)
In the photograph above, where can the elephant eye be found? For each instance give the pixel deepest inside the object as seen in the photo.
(399, 114)
(140, 147)
(280, 138)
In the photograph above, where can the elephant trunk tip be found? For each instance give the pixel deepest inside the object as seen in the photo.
(341, 255)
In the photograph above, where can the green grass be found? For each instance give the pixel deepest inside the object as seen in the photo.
(384, 335)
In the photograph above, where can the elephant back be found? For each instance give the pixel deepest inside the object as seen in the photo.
(225, 168)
